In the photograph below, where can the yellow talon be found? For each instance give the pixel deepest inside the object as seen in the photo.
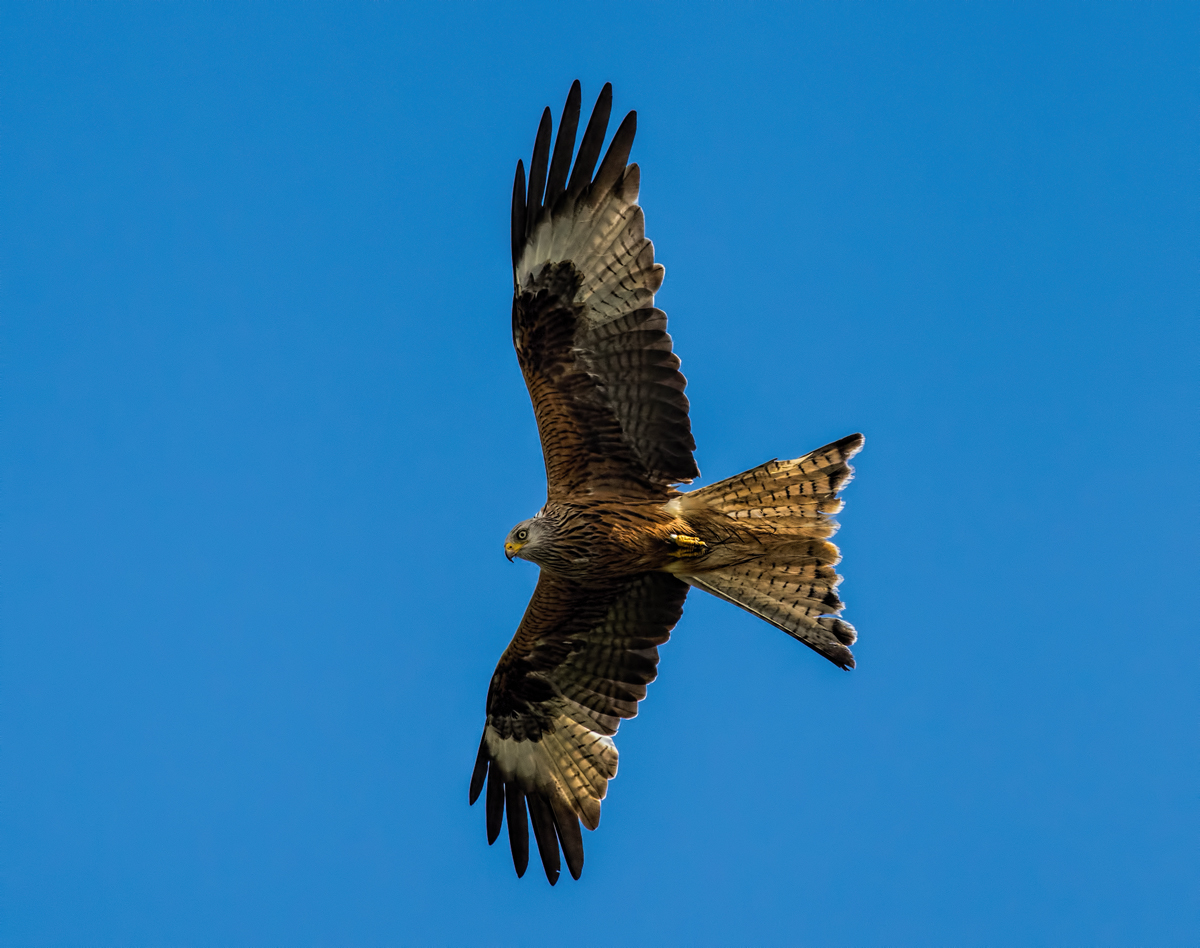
(685, 545)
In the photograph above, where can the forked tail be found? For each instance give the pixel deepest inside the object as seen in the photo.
(775, 559)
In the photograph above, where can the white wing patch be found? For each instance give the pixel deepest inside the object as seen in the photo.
(607, 245)
(568, 761)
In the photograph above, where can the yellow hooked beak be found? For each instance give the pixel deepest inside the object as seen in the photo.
(512, 549)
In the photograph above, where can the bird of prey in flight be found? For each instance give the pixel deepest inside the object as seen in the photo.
(618, 545)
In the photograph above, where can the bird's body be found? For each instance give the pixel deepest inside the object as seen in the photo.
(619, 546)
(600, 537)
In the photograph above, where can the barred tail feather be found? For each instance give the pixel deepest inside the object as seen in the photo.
(794, 496)
(784, 573)
(780, 593)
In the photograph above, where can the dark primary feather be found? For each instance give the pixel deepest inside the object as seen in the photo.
(543, 831)
(518, 828)
(613, 165)
(495, 804)
(593, 139)
(518, 212)
(479, 774)
(566, 824)
(537, 173)
(564, 146)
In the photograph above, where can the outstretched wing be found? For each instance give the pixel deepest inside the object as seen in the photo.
(605, 385)
(579, 663)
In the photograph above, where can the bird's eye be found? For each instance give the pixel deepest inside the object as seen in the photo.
(522, 534)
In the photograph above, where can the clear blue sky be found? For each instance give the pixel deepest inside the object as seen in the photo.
(264, 435)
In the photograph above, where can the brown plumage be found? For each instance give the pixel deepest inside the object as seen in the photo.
(618, 546)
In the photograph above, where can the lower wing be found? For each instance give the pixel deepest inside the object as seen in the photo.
(580, 662)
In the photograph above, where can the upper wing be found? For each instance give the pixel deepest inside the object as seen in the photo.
(580, 661)
(606, 388)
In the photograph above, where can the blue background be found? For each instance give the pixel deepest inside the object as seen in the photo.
(264, 435)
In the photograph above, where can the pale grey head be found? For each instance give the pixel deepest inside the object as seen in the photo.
(528, 537)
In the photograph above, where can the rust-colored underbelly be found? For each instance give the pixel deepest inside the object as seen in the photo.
(602, 539)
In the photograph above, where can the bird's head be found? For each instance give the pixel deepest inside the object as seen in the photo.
(523, 540)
